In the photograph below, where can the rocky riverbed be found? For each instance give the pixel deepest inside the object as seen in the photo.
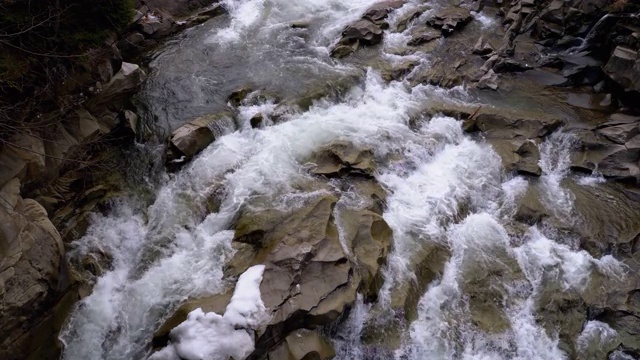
(398, 179)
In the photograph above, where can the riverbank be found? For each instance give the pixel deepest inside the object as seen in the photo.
(372, 157)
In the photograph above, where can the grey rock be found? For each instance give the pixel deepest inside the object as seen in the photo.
(488, 81)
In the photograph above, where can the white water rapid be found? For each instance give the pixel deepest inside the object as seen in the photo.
(445, 189)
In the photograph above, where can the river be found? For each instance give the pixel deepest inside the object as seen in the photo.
(173, 248)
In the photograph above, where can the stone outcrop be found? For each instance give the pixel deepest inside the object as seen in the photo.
(611, 149)
(50, 183)
(318, 255)
(512, 126)
(343, 158)
(34, 280)
(450, 19)
(192, 137)
(366, 31)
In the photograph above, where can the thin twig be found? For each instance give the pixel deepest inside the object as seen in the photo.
(46, 155)
(475, 113)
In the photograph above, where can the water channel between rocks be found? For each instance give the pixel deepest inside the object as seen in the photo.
(448, 199)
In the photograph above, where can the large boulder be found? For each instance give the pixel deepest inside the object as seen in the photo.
(624, 68)
(423, 35)
(22, 157)
(364, 31)
(450, 19)
(518, 155)
(367, 30)
(380, 11)
(318, 255)
(340, 158)
(613, 149)
(33, 279)
(194, 136)
(117, 91)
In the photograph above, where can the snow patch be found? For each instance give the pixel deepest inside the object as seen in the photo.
(215, 337)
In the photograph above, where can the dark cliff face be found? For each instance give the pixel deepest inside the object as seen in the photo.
(41, 44)
(65, 114)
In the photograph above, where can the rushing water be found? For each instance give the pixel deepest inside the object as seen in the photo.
(175, 248)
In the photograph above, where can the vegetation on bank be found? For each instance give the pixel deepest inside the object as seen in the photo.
(41, 41)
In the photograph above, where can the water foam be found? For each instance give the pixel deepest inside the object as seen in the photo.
(179, 251)
(445, 189)
(247, 16)
(555, 162)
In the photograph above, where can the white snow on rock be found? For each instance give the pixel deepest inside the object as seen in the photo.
(209, 336)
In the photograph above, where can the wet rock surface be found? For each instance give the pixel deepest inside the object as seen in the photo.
(321, 255)
(367, 31)
(191, 138)
(318, 256)
(52, 182)
(34, 280)
(450, 19)
(315, 256)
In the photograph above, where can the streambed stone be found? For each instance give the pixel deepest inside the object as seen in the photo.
(312, 275)
(514, 126)
(450, 19)
(614, 151)
(194, 136)
(366, 31)
(518, 155)
(341, 158)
